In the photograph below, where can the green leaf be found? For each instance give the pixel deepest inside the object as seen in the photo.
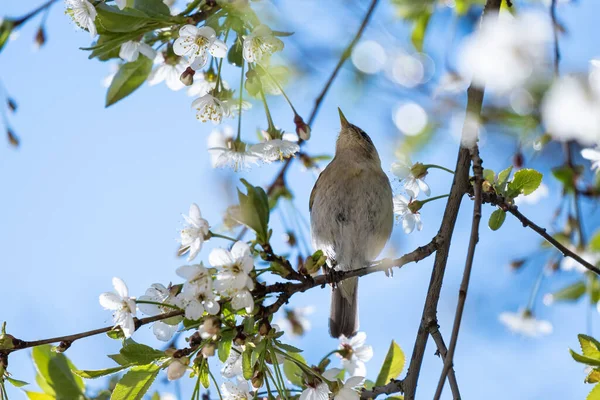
(585, 360)
(419, 29)
(129, 77)
(594, 244)
(119, 359)
(135, 383)
(489, 175)
(590, 347)
(503, 178)
(254, 210)
(89, 374)
(224, 349)
(570, 293)
(140, 354)
(288, 348)
(235, 55)
(153, 8)
(39, 396)
(497, 219)
(369, 384)
(15, 382)
(593, 376)
(292, 371)
(247, 363)
(525, 181)
(6, 28)
(594, 394)
(392, 365)
(203, 375)
(567, 176)
(55, 370)
(111, 19)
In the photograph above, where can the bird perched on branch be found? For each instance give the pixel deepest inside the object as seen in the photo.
(351, 212)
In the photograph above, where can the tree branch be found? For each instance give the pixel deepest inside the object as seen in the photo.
(69, 339)
(464, 286)
(460, 185)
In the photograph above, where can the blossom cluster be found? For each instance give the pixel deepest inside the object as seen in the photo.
(413, 180)
(181, 64)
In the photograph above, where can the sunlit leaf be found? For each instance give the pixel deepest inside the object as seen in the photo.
(135, 383)
(392, 365)
(55, 370)
(129, 77)
(497, 219)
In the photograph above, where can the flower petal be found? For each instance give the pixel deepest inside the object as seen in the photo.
(111, 301)
(120, 287)
(220, 257)
(218, 49)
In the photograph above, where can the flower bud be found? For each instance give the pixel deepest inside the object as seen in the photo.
(209, 350)
(264, 328)
(302, 129)
(518, 160)
(177, 368)
(12, 138)
(517, 264)
(414, 206)
(418, 170)
(40, 37)
(487, 187)
(210, 328)
(258, 380)
(187, 77)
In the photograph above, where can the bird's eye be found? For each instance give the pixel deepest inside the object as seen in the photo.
(365, 136)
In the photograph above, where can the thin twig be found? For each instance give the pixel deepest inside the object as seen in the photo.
(460, 185)
(555, 31)
(21, 344)
(31, 14)
(464, 285)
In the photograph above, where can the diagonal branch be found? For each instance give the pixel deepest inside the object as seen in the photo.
(460, 186)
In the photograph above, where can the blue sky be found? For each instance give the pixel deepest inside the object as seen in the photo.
(94, 193)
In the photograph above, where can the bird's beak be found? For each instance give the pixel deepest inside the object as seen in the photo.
(343, 121)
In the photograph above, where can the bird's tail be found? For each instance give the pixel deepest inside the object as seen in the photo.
(343, 319)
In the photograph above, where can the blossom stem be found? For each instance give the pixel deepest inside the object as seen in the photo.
(239, 132)
(156, 303)
(438, 167)
(433, 198)
(268, 113)
(328, 355)
(196, 393)
(280, 88)
(278, 373)
(214, 381)
(535, 290)
(275, 381)
(218, 235)
(219, 85)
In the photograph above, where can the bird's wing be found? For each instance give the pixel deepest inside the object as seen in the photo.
(314, 189)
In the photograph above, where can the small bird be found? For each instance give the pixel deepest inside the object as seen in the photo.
(351, 213)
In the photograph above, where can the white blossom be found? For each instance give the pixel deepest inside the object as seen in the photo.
(275, 149)
(413, 177)
(506, 51)
(357, 353)
(202, 86)
(130, 51)
(122, 305)
(177, 368)
(410, 220)
(218, 141)
(193, 235)
(234, 267)
(195, 43)
(571, 110)
(348, 390)
(168, 72)
(197, 278)
(260, 44)
(320, 391)
(157, 293)
(234, 156)
(239, 391)
(240, 299)
(524, 323)
(197, 295)
(121, 4)
(209, 108)
(83, 14)
(210, 328)
(593, 155)
(233, 365)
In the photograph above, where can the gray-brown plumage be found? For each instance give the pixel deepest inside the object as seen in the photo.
(351, 212)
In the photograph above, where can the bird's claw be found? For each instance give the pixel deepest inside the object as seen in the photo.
(388, 268)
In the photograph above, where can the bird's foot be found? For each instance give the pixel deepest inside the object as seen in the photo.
(387, 265)
(333, 276)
